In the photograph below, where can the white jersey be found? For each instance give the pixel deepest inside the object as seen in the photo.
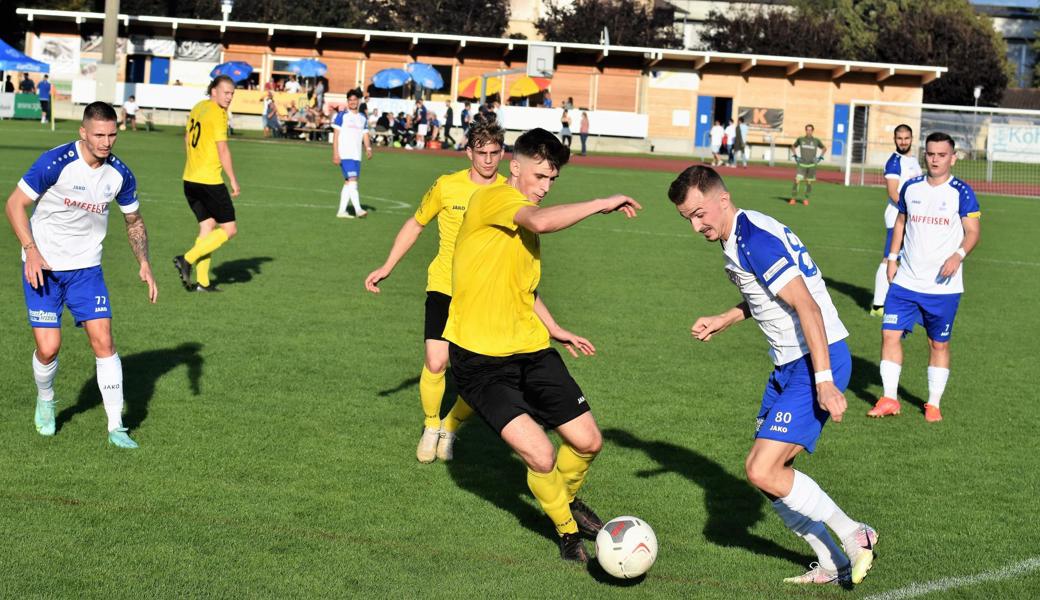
(352, 127)
(933, 233)
(716, 134)
(903, 167)
(762, 256)
(70, 218)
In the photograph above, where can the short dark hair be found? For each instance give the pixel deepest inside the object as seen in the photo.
(705, 179)
(99, 111)
(217, 81)
(939, 136)
(483, 132)
(904, 127)
(810, 125)
(542, 145)
(355, 93)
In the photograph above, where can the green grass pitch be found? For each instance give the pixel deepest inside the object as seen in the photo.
(278, 420)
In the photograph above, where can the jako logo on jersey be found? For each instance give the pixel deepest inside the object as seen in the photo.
(457, 207)
(43, 316)
(114, 386)
(890, 319)
(98, 309)
(581, 400)
(79, 188)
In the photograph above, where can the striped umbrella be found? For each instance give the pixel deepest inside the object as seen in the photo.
(470, 88)
(529, 86)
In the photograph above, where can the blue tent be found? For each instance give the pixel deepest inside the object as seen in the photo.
(13, 60)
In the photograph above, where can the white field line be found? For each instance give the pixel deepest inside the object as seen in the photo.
(948, 583)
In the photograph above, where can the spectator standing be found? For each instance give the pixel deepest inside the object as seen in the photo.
(466, 118)
(565, 129)
(8, 85)
(569, 104)
(26, 85)
(742, 141)
(44, 91)
(583, 131)
(449, 116)
(292, 86)
(731, 141)
(547, 99)
(716, 134)
(130, 113)
(319, 95)
(422, 124)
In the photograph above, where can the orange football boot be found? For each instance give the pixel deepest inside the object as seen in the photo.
(932, 414)
(884, 407)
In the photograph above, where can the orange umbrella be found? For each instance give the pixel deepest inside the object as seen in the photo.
(529, 86)
(470, 88)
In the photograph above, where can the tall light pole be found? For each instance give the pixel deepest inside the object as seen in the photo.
(225, 8)
(105, 77)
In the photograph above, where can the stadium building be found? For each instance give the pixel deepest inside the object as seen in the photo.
(637, 98)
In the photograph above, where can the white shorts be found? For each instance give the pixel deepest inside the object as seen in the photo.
(423, 129)
(891, 212)
(715, 148)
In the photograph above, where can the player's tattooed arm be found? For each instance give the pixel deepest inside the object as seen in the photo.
(138, 236)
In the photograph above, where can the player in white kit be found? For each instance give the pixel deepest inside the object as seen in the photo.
(784, 292)
(349, 131)
(901, 167)
(70, 189)
(937, 227)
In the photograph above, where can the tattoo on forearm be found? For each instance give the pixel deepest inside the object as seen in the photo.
(138, 236)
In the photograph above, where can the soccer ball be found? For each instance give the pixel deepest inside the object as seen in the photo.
(626, 547)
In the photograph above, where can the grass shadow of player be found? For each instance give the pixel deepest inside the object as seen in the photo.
(241, 270)
(860, 296)
(733, 506)
(141, 371)
(866, 375)
(404, 385)
(486, 467)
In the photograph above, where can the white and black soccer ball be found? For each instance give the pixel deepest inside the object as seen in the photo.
(626, 547)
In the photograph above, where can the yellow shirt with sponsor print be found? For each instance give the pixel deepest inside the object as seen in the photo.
(207, 125)
(446, 200)
(495, 273)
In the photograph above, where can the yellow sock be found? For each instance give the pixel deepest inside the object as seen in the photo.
(431, 391)
(206, 245)
(458, 413)
(551, 493)
(202, 270)
(572, 466)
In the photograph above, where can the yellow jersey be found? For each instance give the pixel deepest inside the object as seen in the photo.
(496, 268)
(207, 125)
(446, 200)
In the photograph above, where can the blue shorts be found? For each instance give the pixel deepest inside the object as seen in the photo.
(888, 242)
(905, 308)
(789, 410)
(83, 291)
(350, 168)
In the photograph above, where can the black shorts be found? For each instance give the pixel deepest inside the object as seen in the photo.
(436, 315)
(501, 388)
(209, 201)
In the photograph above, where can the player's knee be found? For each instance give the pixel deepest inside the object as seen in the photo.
(436, 364)
(758, 475)
(591, 444)
(541, 462)
(47, 353)
(230, 229)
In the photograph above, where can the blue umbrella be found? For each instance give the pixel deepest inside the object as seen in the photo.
(390, 78)
(425, 75)
(308, 67)
(236, 70)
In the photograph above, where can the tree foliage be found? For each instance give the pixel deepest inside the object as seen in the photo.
(945, 33)
(629, 23)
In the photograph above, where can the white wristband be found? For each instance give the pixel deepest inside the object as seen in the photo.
(893, 257)
(822, 376)
(961, 252)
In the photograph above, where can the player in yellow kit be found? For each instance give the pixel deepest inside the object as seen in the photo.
(205, 142)
(446, 201)
(499, 330)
